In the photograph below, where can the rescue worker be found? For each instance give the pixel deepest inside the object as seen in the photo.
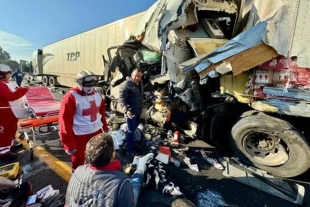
(18, 75)
(81, 117)
(11, 107)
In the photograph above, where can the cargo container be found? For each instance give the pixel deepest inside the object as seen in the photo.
(59, 62)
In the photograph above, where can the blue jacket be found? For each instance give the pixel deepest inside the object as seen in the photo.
(131, 97)
(18, 75)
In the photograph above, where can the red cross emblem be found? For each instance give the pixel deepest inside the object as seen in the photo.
(92, 111)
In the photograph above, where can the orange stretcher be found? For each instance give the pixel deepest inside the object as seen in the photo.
(43, 112)
(35, 122)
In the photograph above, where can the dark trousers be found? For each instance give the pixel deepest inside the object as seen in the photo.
(19, 82)
(132, 125)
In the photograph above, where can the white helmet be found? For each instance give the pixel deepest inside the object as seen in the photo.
(4, 69)
(86, 78)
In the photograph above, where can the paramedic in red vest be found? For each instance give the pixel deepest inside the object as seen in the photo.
(11, 107)
(81, 117)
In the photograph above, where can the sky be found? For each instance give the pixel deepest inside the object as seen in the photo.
(27, 25)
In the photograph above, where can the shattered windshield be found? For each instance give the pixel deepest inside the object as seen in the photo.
(147, 56)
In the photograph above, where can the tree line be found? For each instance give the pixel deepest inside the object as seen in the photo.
(5, 58)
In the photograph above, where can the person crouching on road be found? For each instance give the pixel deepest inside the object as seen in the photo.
(81, 116)
(18, 75)
(131, 101)
(11, 108)
(100, 182)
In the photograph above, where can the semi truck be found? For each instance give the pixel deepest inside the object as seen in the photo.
(233, 72)
(59, 62)
(229, 71)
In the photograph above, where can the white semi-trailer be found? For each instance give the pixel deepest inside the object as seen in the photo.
(59, 62)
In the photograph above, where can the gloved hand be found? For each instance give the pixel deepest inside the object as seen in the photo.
(141, 162)
(107, 131)
(71, 152)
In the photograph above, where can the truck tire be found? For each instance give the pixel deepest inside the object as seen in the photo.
(45, 80)
(270, 144)
(52, 81)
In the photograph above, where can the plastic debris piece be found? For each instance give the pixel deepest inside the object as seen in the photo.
(187, 161)
(175, 161)
(165, 150)
(212, 161)
(162, 158)
(118, 138)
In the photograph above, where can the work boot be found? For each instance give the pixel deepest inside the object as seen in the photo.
(9, 157)
(17, 147)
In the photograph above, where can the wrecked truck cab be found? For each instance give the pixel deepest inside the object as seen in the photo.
(178, 28)
(123, 59)
(178, 31)
(198, 59)
(181, 31)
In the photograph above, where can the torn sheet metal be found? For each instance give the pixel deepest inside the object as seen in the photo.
(235, 85)
(271, 30)
(193, 129)
(175, 54)
(187, 91)
(291, 93)
(224, 68)
(247, 59)
(240, 43)
(162, 17)
(215, 5)
(202, 46)
(284, 107)
(176, 35)
(288, 30)
(160, 79)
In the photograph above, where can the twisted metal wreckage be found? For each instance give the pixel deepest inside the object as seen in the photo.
(184, 51)
(208, 85)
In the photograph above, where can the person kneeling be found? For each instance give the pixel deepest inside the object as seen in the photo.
(100, 182)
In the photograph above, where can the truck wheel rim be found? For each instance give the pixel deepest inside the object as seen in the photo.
(265, 149)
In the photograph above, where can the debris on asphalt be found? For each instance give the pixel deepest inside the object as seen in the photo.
(175, 161)
(187, 161)
(163, 158)
(118, 138)
(211, 161)
(165, 150)
(46, 192)
(210, 198)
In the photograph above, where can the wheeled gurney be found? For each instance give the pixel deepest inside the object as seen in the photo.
(42, 110)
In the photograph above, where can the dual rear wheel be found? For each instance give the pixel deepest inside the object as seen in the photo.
(49, 80)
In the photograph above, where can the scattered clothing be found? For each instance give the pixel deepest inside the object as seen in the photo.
(118, 138)
(157, 178)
